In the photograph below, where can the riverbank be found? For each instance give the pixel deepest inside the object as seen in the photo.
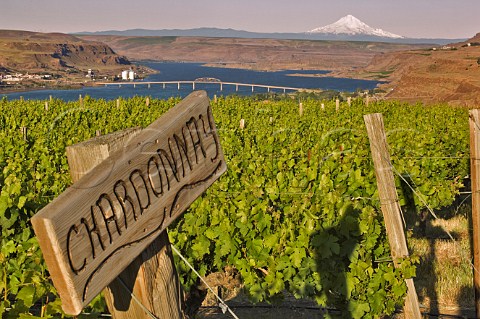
(29, 88)
(69, 82)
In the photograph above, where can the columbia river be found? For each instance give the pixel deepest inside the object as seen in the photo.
(174, 71)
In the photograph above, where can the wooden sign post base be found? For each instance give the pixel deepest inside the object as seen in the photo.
(153, 280)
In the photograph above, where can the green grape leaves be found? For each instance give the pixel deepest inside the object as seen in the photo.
(297, 209)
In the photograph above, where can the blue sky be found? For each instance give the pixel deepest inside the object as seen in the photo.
(411, 18)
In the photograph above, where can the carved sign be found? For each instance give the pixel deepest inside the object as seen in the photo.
(93, 230)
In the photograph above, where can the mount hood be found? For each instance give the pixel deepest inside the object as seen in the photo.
(351, 26)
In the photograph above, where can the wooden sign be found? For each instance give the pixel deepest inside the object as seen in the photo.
(93, 230)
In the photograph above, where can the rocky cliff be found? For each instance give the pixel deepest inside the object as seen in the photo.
(23, 51)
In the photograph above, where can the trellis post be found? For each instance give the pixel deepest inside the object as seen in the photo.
(390, 205)
(475, 180)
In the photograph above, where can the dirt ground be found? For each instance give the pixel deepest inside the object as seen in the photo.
(305, 309)
(244, 309)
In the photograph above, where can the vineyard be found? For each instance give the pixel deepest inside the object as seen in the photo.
(296, 211)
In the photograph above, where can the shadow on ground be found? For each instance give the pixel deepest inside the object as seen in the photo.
(441, 245)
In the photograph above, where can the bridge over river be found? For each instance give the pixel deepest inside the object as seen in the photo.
(194, 83)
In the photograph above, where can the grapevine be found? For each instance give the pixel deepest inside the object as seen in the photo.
(298, 199)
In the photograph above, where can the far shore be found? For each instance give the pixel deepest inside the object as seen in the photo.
(23, 89)
(347, 73)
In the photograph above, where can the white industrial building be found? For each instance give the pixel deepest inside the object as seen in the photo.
(128, 75)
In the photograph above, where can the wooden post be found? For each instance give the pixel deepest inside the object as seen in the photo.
(323, 106)
(46, 106)
(475, 177)
(337, 105)
(367, 100)
(147, 101)
(118, 103)
(349, 101)
(242, 124)
(80, 100)
(51, 98)
(300, 108)
(389, 204)
(24, 130)
(215, 98)
(152, 276)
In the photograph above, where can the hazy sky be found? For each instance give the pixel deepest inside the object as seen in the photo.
(411, 18)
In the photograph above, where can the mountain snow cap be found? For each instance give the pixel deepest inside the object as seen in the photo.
(350, 25)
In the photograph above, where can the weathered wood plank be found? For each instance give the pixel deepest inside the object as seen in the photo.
(85, 156)
(93, 230)
(389, 204)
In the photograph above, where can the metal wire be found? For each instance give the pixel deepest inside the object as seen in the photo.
(430, 210)
(147, 311)
(223, 305)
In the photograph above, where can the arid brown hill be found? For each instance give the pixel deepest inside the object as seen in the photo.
(448, 74)
(32, 52)
(475, 41)
(259, 54)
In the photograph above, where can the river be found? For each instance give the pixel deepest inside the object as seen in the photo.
(175, 71)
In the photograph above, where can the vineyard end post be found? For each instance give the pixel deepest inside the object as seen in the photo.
(475, 179)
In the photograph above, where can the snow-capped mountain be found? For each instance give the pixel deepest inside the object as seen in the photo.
(351, 26)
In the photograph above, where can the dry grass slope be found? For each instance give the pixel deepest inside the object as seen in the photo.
(450, 74)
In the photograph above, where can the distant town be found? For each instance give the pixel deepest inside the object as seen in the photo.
(15, 81)
(126, 75)
(18, 77)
